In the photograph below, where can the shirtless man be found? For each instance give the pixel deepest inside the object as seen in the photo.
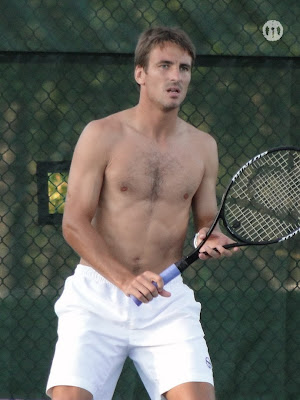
(133, 179)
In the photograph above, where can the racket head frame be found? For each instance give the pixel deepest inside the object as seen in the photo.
(186, 261)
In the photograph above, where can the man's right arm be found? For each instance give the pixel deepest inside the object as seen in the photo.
(89, 162)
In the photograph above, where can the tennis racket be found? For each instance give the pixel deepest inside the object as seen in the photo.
(260, 206)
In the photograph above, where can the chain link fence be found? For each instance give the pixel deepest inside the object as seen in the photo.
(66, 63)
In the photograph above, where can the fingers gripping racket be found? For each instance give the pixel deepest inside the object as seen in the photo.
(260, 206)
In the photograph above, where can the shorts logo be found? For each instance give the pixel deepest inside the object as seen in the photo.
(208, 362)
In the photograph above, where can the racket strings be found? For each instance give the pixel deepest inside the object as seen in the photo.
(252, 226)
(263, 203)
(273, 197)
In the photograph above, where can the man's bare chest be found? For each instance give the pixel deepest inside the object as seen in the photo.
(152, 175)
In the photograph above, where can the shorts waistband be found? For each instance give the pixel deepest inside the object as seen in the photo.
(85, 270)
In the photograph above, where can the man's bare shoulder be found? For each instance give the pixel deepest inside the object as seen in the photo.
(108, 128)
(198, 137)
(99, 138)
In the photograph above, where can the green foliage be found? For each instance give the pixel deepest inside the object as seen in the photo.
(57, 191)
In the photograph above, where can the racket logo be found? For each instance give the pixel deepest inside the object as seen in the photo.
(290, 235)
(247, 165)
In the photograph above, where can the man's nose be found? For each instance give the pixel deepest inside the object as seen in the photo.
(175, 74)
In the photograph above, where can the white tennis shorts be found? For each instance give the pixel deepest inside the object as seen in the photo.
(99, 327)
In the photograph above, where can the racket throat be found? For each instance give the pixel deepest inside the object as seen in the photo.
(186, 261)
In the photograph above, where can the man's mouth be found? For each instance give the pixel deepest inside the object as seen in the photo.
(173, 90)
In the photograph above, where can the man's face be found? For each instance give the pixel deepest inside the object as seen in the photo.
(166, 79)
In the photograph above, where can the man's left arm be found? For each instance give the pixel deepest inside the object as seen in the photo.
(204, 208)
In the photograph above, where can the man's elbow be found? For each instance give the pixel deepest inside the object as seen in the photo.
(69, 229)
(73, 227)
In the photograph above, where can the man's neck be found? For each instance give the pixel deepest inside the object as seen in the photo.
(154, 123)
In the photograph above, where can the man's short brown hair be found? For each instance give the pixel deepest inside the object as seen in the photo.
(158, 36)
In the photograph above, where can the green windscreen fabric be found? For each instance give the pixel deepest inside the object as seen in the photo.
(63, 64)
(217, 27)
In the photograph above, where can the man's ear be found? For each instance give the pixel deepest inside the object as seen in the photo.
(139, 74)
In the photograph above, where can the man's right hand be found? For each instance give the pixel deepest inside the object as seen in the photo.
(146, 286)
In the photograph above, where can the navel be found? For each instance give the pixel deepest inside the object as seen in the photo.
(136, 270)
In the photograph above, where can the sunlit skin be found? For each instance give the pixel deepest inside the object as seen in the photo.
(165, 82)
(143, 168)
(151, 152)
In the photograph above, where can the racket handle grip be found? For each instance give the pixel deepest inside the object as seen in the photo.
(228, 246)
(168, 274)
(231, 245)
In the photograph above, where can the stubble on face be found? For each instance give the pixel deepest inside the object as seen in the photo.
(167, 76)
